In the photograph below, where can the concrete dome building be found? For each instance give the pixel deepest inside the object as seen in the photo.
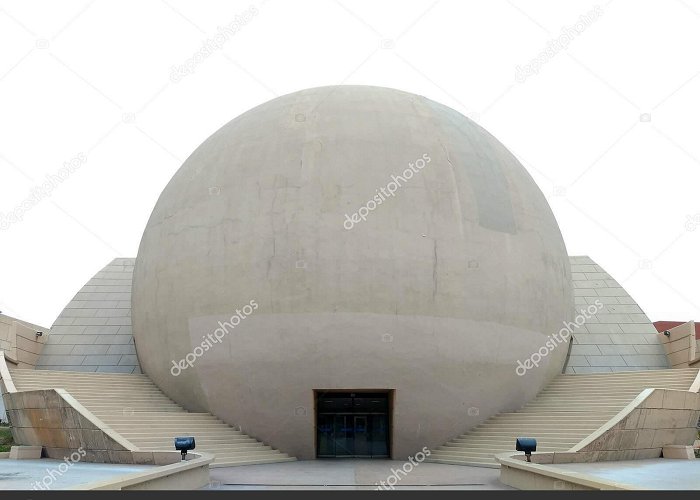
(350, 257)
(352, 272)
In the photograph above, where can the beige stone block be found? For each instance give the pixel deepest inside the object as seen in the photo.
(585, 457)
(9, 401)
(18, 400)
(562, 485)
(674, 399)
(120, 457)
(15, 417)
(27, 360)
(524, 480)
(628, 439)
(645, 438)
(172, 457)
(544, 483)
(52, 418)
(577, 457)
(647, 453)
(18, 435)
(680, 357)
(143, 457)
(113, 445)
(673, 346)
(676, 419)
(68, 417)
(609, 456)
(542, 458)
(25, 452)
(53, 400)
(564, 457)
(663, 437)
(632, 419)
(678, 452)
(94, 439)
(84, 422)
(628, 454)
(57, 453)
(692, 401)
(665, 419)
(693, 418)
(74, 438)
(643, 418)
(96, 456)
(28, 344)
(655, 399)
(685, 436)
(608, 441)
(101, 457)
(34, 399)
(54, 438)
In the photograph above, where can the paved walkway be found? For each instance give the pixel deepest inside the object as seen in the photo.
(655, 474)
(353, 474)
(56, 474)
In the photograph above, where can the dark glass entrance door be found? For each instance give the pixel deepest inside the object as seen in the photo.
(352, 425)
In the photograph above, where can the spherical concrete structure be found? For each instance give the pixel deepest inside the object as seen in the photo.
(351, 239)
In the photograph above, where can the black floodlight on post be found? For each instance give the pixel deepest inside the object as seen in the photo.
(528, 445)
(184, 444)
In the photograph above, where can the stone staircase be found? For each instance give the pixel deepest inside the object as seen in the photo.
(137, 409)
(571, 408)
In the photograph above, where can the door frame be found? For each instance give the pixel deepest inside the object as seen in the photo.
(390, 420)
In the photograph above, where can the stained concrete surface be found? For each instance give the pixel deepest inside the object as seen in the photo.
(23, 474)
(655, 474)
(353, 474)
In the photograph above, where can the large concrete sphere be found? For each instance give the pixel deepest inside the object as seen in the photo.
(436, 295)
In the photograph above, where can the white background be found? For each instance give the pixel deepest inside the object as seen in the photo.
(93, 77)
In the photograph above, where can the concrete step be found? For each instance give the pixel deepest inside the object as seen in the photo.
(507, 440)
(279, 457)
(135, 408)
(223, 442)
(170, 434)
(564, 413)
(163, 418)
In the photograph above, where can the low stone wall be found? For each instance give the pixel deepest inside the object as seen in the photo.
(178, 475)
(53, 419)
(680, 345)
(656, 418)
(518, 473)
(20, 342)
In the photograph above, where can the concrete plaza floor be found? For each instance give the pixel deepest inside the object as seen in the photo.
(23, 474)
(655, 474)
(352, 474)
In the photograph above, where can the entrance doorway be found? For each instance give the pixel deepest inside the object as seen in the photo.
(353, 424)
